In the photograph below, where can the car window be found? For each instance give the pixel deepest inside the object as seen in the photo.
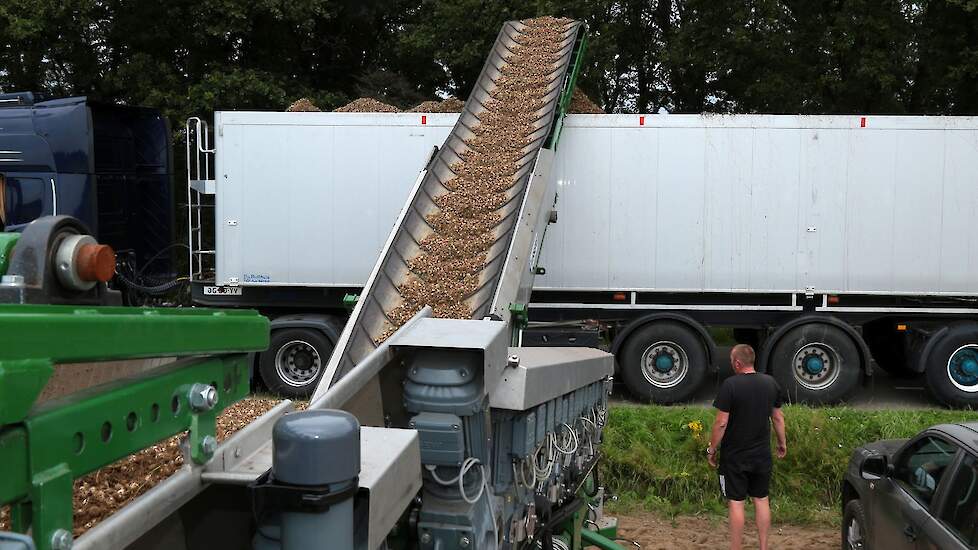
(920, 467)
(960, 513)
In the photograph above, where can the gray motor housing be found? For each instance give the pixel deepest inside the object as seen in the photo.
(317, 447)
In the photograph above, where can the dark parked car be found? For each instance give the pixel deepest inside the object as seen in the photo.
(918, 493)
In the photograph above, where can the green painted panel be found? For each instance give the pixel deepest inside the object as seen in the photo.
(7, 242)
(66, 334)
(93, 428)
(20, 384)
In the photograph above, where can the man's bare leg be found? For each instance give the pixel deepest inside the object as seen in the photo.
(762, 514)
(736, 509)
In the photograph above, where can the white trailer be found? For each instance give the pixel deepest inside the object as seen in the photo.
(826, 241)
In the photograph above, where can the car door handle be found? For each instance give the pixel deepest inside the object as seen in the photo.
(910, 533)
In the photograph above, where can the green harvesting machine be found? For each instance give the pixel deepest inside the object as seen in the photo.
(85, 382)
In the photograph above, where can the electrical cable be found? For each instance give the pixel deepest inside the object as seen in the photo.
(573, 438)
(154, 290)
(460, 478)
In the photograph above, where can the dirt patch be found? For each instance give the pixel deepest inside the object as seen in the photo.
(102, 492)
(302, 105)
(447, 271)
(450, 105)
(692, 533)
(582, 104)
(367, 105)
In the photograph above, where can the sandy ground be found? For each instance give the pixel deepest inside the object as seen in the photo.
(688, 533)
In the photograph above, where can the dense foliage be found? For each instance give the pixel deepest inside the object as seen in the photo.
(783, 56)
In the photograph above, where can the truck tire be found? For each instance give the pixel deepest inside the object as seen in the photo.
(854, 526)
(816, 363)
(952, 367)
(663, 362)
(294, 362)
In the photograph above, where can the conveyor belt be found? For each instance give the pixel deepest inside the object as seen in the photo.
(510, 260)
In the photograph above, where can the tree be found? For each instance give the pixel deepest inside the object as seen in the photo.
(783, 56)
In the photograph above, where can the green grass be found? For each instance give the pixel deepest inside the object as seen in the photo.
(655, 460)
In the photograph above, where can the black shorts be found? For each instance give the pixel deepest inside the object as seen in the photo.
(738, 482)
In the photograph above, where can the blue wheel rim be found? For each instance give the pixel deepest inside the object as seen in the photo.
(816, 366)
(962, 368)
(665, 364)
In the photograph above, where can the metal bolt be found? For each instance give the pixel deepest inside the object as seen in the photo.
(513, 361)
(61, 540)
(425, 538)
(463, 373)
(455, 427)
(464, 542)
(12, 280)
(208, 445)
(202, 397)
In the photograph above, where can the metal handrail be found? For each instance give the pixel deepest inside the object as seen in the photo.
(198, 167)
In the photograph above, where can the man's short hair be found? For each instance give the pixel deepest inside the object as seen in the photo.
(743, 353)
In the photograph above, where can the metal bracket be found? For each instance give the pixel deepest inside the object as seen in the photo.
(350, 301)
(63, 440)
(21, 383)
(519, 320)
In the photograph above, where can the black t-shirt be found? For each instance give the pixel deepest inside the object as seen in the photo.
(750, 399)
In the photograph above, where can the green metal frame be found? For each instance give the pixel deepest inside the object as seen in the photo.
(38, 336)
(43, 448)
(7, 242)
(577, 60)
(519, 319)
(577, 533)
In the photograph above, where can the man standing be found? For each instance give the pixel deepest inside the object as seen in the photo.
(747, 404)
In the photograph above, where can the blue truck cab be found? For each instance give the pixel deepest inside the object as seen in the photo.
(110, 166)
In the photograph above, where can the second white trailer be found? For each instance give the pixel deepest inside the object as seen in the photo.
(827, 241)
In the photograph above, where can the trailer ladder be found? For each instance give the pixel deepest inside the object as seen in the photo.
(201, 254)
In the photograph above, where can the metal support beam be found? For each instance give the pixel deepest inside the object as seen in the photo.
(67, 438)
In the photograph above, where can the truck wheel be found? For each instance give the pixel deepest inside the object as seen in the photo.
(294, 362)
(816, 363)
(952, 367)
(663, 362)
(854, 526)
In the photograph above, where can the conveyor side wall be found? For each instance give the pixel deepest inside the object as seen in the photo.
(369, 321)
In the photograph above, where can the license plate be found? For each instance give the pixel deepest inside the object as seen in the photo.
(222, 291)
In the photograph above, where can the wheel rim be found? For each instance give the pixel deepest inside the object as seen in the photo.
(816, 366)
(297, 363)
(664, 364)
(854, 535)
(962, 368)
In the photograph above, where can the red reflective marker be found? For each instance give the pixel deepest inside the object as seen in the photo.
(424, 119)
(641, 121)
(862, 122)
